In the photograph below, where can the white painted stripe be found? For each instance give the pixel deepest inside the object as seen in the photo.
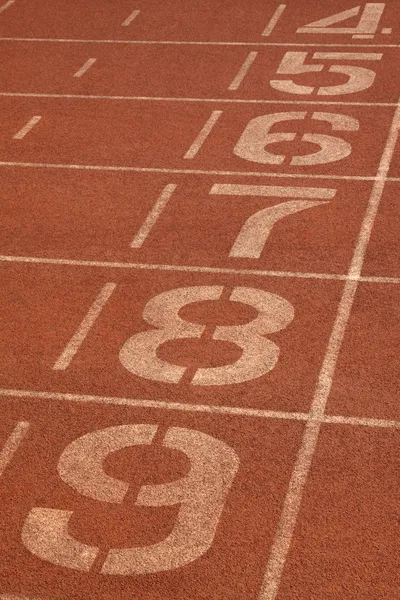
(347, 56)
(301, 470)
(81, 333)
(12, 444)
(194, 269)
(203, 135)
(129, 19)
(188, 171)
(183, 99)
(235, 189)
(85, 67)
(6, 5)
(26, 128)
(153, 216)
(204, 408)
(157, 267)
(15, 597)
(195, 43)
(274, 20)
(243, 71)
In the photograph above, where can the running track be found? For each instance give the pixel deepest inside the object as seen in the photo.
(200, 292)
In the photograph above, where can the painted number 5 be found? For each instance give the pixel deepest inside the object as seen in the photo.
(259, 355)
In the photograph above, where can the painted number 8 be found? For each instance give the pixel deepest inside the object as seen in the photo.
(139, 353)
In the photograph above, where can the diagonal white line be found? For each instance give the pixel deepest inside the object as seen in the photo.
(301, 470)
(85, 67)
(243, 71)
(12, 444)
(26, 128)
(81, 333)
(129, 19)
(274, 20)
(204, 133)
(153, 216)
(6, 5)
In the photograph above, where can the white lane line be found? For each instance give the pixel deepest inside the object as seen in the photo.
(129, 19)
(244, 69)
(157, 267)
(188, 171)
(153, 216)
(85, 67)
(203, 135)
(194, 269)
(236, 189)
(194, 43)
(26, 128)
(301, 470)
(15, 597)
(12, 444)
(79, 336)
(274, 20)
(183, 99)
(187, 407)
(6, 5)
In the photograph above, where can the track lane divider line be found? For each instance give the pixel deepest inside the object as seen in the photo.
(291, 507)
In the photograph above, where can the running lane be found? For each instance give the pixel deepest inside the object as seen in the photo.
(199, 300)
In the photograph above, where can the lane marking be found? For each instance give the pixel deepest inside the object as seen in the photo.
(274, 20)
(153, 216)
(183, 99)
(6, 5)
(194, 269)
(158, 267)
(12, 444)
(87, 323)
(190, 171)
(85, 67)
(203, 135)
(235, 189)
(243, 71)
(194, 43)
(129, 19)
(207, 408)
(302, 467)
(27, 128)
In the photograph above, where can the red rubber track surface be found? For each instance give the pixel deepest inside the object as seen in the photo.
(199, 300)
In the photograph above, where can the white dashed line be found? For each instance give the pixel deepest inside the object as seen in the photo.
(85, 67)
(79, 336)
(129, 19)
(153, 215)
(26, 128)
(12, 444)
(6, 5)
(274, 20)
(203, 135)
(243, 71)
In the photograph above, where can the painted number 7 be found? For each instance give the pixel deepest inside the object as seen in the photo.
(254, 234)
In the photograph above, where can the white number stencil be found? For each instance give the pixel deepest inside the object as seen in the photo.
(256, 137)
(293, 63)
(366, 28)
(254, 233)
(259, 355)
(201, 495)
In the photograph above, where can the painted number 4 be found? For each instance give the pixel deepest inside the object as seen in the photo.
(367, 26)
